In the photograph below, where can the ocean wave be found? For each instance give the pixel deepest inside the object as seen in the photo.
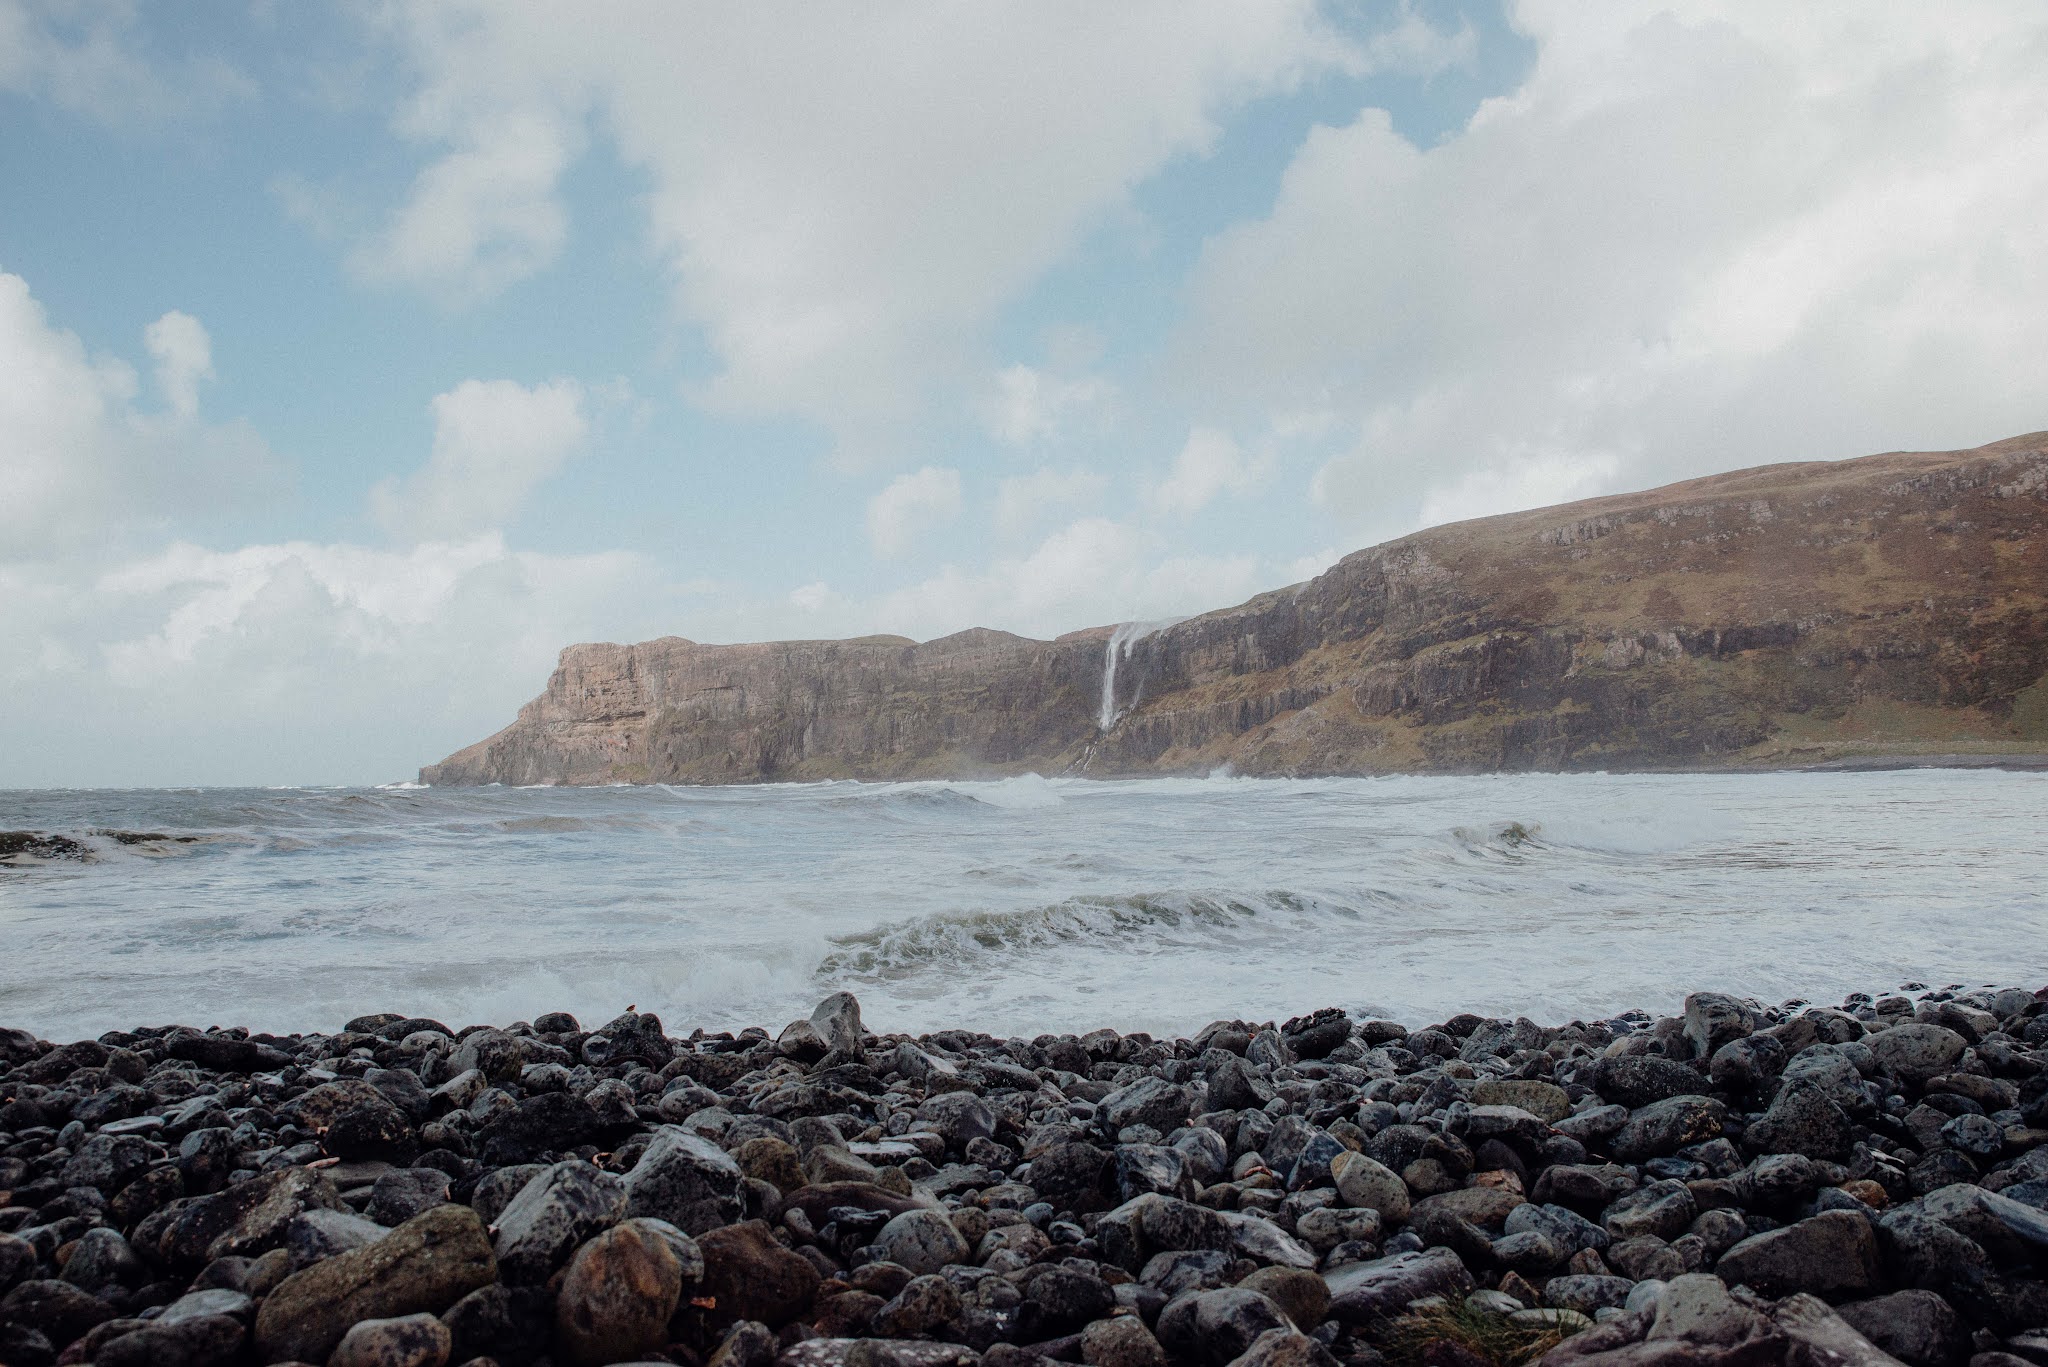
(955, 938)
(1510, 839)
(1024, 903)
(1024, 793)
(522, 825)
(1018, 793)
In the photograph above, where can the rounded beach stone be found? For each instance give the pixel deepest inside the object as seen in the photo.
(1121, 1342)
(749, 1276)
(617, 1296)
(1367, 1184)
(426, 1264)
(406, 1341)
(923, 1241)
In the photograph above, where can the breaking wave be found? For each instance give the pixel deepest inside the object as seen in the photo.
(955, 939)
(1019, 904)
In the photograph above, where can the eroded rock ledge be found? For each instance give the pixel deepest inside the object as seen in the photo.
(1889, 607)
(1738, 1186)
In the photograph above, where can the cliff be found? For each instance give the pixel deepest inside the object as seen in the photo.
(1882, 608)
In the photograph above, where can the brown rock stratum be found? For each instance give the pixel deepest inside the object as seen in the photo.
(1875, 610)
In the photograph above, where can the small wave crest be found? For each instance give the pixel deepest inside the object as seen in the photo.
(1500, 839)
(1022, 793)
(542, 824)
(953, 940)
(903, 800)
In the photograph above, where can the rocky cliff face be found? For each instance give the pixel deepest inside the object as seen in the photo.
(1792, 614)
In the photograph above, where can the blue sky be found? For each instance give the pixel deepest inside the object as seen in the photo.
(354, 359)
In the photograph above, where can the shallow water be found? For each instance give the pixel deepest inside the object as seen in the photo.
(1024, 905)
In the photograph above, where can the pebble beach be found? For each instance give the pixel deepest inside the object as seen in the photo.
(1736, 1184)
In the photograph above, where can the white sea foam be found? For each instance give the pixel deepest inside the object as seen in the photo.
(1022, 905)
(1024, 793)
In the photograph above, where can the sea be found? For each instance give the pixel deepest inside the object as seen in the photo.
(1021, 906)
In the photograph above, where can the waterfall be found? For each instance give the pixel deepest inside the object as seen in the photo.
(1126, 635)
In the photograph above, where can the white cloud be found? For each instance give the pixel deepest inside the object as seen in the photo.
(1305, 567)
(813, 597)
(1523, 477)
(495, 441)
(1414, 45)
(1210, 463)
(911, 505)
(843, 197)
(84, 56)
(1092, 571)
(295, 661)
(1702, 235)
(1023, 500)
(479, 219)
(372, 602)
(1033, 405)
(184, 357)
(80, 461)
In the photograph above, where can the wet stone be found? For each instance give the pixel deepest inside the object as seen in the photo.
(318, 1234)
(1121, 1342)
(426, 1264)
(197, 1341)
(397, 1196)
(924, 1306)
(551, 1215)
(1664, 1127)
(863, 1199)
(1833, 1253)
(1587, 1294)
(1663, 1209)
(1217, 1327)
(618, 1294)
(922, 1240)
(748, 1275)
(406, 1341)
(1802, 1119)
(498, 1321)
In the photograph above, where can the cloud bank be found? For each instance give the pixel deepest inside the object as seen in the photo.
(1699, 236)
(1689, 236)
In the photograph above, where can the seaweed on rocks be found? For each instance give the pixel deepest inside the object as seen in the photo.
(1736, 1186)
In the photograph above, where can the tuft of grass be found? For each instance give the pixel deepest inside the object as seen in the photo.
(1458, 1335)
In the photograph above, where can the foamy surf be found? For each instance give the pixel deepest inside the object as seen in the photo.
(1021, 905)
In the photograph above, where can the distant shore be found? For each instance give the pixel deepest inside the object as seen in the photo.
(2019, 764)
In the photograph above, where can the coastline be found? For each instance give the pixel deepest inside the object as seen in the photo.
(1878, 762)
(1756, 1183)
(2014, 764)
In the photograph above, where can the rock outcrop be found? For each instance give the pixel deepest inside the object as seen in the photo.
(1869, 610)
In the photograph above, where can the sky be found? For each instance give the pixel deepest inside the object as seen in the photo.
(356, 358)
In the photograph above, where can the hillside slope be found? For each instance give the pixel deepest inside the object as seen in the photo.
(1880, 608)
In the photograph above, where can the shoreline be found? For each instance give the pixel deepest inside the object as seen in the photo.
(2020, 762)
(1768, 1182)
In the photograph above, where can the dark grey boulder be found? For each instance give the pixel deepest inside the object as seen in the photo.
(686, 1180)
(551, 1215)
